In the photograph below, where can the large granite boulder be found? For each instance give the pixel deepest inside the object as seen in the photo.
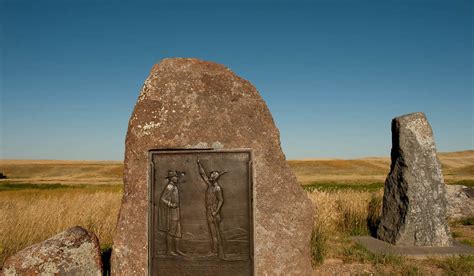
(189, 103)
(414, 202)
(460, 202)
(73, 252)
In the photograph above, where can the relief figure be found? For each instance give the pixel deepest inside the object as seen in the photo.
(214, 201)
(169, 217)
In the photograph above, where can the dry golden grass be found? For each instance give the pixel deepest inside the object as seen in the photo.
(62, 172)
(31, 216)
(343, 211)
(338, 214)
(456, 166)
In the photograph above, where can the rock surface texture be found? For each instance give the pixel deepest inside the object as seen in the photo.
(189, 103)
(460, 202)
(414, 202)
(72, 252)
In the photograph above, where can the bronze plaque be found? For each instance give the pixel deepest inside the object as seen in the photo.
(200, 212)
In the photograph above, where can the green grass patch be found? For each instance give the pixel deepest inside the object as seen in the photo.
(468, 221)
(465, 182)
(30, 186)
(463, 265)
(318, 245)
(5, 186)
(360, 254)
(467, 242)
(330, 186)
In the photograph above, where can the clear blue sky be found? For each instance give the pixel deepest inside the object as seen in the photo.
(333, 73)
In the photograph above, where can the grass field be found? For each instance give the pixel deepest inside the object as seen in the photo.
(456, 166)
(42, 198)
(342, 213)
(30, 215)
(62, 172)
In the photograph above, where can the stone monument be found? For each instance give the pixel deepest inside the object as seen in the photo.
(207, 189)
(414, 202)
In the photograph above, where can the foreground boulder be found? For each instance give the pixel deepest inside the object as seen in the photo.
(72, 252)
(414, 202)
(460, 202)
(194, 104)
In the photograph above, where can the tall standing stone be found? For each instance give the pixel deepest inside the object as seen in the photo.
(414, 202)
(193, 104)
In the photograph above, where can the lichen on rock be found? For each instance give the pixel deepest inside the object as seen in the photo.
(196, 104)
(414, 202)
(75, 251)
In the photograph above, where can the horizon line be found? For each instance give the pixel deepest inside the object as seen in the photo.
(302, 159)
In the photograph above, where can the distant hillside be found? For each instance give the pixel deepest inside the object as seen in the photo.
(64, 172)
(456, 166)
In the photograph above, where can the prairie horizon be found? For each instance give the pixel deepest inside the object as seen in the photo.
(457, 166)
(53, 195)
(457, 153)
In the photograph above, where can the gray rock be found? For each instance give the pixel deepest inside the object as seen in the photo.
(460, 202)
(73, 252)
(414, 203)
(188, 104)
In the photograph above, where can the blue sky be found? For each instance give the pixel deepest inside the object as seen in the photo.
(333, 73)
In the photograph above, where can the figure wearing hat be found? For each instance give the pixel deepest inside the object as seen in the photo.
(214, 201)
(169, 219)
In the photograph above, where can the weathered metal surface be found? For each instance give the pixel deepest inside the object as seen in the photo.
(200, 212)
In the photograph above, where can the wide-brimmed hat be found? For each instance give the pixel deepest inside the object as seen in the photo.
(172, 174)
(219, 174)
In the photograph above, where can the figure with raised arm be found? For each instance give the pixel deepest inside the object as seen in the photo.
(214, 201)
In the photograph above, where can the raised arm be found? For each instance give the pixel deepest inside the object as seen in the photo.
(202, 172)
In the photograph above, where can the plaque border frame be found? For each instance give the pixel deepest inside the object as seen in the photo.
(151, 176)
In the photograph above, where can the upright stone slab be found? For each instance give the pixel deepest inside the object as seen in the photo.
(414, 202)
(255, 216)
